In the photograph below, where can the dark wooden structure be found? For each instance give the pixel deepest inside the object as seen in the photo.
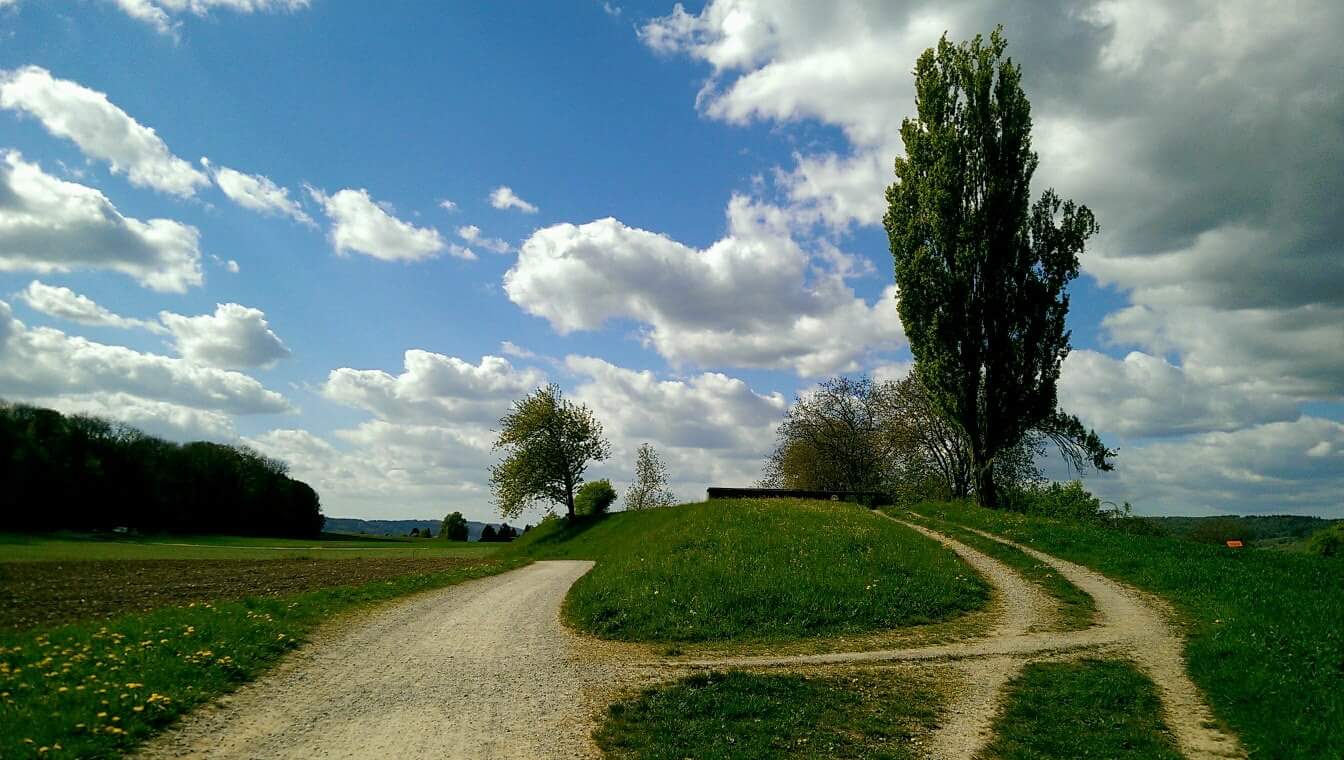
(870, 499)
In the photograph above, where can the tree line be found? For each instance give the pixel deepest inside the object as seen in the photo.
(85, 473)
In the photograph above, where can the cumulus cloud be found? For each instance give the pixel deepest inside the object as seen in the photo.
(1145, 395)
(160, 14)
(503, 197)
(100, 129)
(472, 234)
(51, 225)
(64, 303)
(40, 362)
(174, 422)
(710, 429)
(234, 337)
(359, 224)
(256, 192)
(752, 299)
(434, 387)
(1275, 468)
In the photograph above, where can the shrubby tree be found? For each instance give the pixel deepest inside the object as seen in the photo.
(549, 442)
(982, 271)
(488, 533)
(454, 527)
(594, 498)
(649, 489)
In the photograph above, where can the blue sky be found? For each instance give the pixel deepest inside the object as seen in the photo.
(739, 152)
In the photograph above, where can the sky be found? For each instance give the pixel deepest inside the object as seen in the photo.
(349, 237)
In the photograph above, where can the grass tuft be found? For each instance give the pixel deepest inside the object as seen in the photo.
(742, 716)
(1092, 708)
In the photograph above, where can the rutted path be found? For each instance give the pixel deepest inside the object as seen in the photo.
(1131, 624)
(483, 669)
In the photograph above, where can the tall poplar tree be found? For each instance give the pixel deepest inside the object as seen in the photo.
(982, 270)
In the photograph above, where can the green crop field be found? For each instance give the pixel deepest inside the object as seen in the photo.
(754, 571)
(17, 547)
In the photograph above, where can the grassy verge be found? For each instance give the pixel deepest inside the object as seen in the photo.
(754, 571)
(1265, 628)
(93, 690)
(855, 714)
(1076, 610)
(1093, 708)
(66, 546)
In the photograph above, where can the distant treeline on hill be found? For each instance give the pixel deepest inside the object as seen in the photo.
(85, 473)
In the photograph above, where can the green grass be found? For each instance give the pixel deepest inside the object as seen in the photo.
(98, 689)
(855, 714)
(1265, 628)
(1101, 709)
(766, 570)
(1076, 609)
(66, 546)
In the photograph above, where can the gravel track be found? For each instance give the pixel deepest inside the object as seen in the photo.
(483, 669)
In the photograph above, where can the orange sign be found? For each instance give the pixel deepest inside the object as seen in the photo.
(1234, 544)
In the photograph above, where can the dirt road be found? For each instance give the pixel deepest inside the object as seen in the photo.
(480, 670)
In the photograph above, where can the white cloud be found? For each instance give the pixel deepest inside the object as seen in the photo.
(40, 362)
(363, 226)
(472, 234)
(447, 205)
(517, 351)
(256, 192)
(159, 13)
(1144, 395)
(234, 337)
(64, 303)
(51, 225)
(1276, 468)
(1294, 351)
(434, 389)
(752, 299)
(503, 197)
(232, 266)
(710, 429)
(100, 129)
(159, 418)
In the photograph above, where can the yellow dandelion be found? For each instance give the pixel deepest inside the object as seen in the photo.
(138, 708)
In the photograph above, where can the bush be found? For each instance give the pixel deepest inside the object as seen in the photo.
(1328, 542)
(1055, 500)
(594, 498)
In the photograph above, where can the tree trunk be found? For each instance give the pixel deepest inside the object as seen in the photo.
(569, 501)
(986, 493)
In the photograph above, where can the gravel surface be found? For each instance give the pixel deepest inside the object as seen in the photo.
(484, 669)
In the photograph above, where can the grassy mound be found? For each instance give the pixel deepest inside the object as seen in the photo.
(1265, 628)
(754, 570)
(858, 714)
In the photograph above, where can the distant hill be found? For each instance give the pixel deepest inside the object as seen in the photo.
(399, 527)
(1264, 530)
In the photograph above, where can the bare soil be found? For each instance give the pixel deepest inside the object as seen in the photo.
(44, 594)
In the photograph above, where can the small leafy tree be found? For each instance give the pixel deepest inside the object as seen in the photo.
(549, 443)
(982, 271)
(649, 489)
(488, 533)
(594, 498)
(454, 527)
